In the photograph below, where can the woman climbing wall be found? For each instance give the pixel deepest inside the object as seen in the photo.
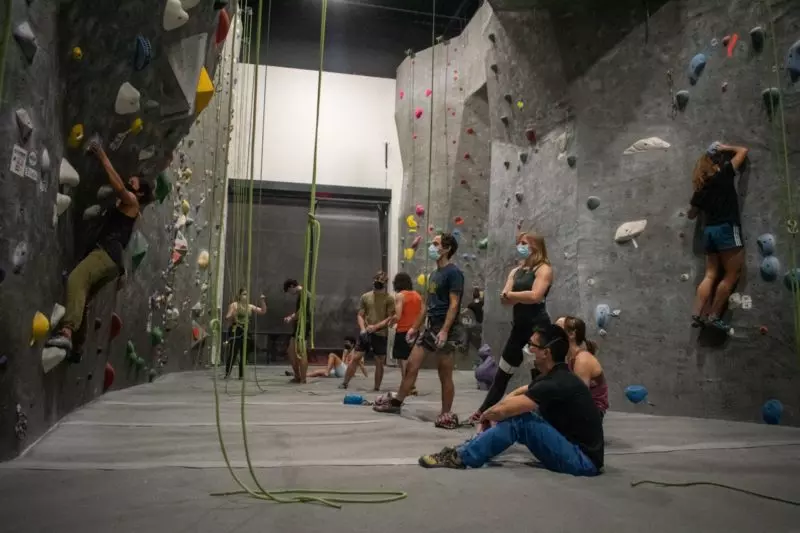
(526, 289)
(239, 313)
(715, 197)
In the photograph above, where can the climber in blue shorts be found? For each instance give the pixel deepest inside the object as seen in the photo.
(715, 197)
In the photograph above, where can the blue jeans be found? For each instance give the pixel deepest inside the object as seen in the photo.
(549, 446)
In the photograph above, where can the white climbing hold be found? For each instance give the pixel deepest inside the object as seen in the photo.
(629, 231)
(25, 124)
(189, 4)
(20, 256)
(602, 332)
(174, 15)
(181, 222)
(616, 312)
(684, 277)
(52, 357)
(45, 161)
(203, 259)
(58, 313)
(62, 203)
(104, 192)
(68, 175)
(92, 212)
(127, 99)
(747, 302)
(646, 145)
(26, 40)
(147, 153)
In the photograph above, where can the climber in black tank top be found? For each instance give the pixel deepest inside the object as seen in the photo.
(526, 289)
(104, 263)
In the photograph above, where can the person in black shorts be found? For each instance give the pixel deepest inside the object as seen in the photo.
(526, 289)
(299, 364)
(716, 198)
(442, 333)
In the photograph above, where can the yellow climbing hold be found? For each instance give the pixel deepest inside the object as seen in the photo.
(203, 259)
(205, 91)
(75, 136)
(411, 223)
(408, 253)
(185, 207)
(77, 53)
(137, 126)
(520, 104)
(40, 327)
(422, 280)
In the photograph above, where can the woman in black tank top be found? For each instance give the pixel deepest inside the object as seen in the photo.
(526, 289)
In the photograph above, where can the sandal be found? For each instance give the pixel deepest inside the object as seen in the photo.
(447, 421)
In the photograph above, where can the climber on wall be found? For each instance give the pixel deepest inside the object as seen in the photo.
(715, 197)
(299, 365)
(408, 307)
(582, 362)
(376, 312)
(104, 262)
(526, 289)
(239, 314)
(442, 334)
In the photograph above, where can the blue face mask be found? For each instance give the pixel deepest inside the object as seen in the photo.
(433, 252)
(523, 251)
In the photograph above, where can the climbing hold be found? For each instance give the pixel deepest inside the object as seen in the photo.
(75, 136)
(757, 37)
(137, 126)
(636, 393)
(26, 40)
(185, 207)
(205, 91)
(464, 182)
(494, 68)
(62, 203)
(418, 112)
(508, 98)
(571, 161)
(77, 53)
(483, 244)
(97, 324)
(793, 62)
(40, 327)
(772, 99)
(629, 231)
(726, 40)
(466, 155)
(645, 145)
(44, 161)
(411, 223)
(792, 280)
(402, 94)
(682, 99)
(174, 15)
(593, 202)
(428, 92)
(504, 120)
(408, 253)
(108, 377)
(115, 327)
(684, 277)
(421, 280)
(419, 210)
(507, 164)
(470, 131)
(766, 244)
(772, 411)
(523, 156)
(92, 211)
(139, 246)
(696, 67)
(520, 104)
(518, 196)
(203, 259)
(601, 315)
(104, 192)
(57, 314)
(223, 25)
(147, 153)
(415, 243)
(763, 330)
(770, 266)
(130, 352)
(20, 256)
(163, 187)
(156, 336)
(52, 357)
(530, 134)
(127, 99)
(492, 37)
(143, 53)
(24, 124)
(724, 86)
(414, 136)
(458, 221)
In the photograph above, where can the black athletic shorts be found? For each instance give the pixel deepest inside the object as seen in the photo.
(372, 342)
(520, 336)
(427, 339)
(401, 349)
(307, 332)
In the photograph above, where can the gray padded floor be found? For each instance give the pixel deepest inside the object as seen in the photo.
(146, 459)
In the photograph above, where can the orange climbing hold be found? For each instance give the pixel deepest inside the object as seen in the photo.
(458, 221)
(223, 25)
(116, 326)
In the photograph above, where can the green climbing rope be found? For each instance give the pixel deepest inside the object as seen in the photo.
(426, 272)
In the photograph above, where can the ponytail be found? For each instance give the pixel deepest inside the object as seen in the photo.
(591, 346)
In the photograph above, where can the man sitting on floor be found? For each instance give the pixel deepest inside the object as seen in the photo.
(554, 417)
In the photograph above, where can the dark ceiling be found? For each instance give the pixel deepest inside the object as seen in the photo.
(365, 37)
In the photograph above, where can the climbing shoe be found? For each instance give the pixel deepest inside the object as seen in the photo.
(721, 325)
(60, 341)
(74, 357)
(698, 321)
(393, 407)
(447, 458)
(446, 421)
(474, 418)
(343, 386)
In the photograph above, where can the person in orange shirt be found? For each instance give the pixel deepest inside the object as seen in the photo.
(408, 306)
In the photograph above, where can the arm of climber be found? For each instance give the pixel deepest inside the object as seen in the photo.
(124, 195)
(456, 289)
(507, 287)
(362, 309)
(510, 406)
(262, 309)
(544, 277)
(739, 155)
(583, 368)
(398, 307)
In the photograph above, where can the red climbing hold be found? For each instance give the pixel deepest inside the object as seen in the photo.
(196, 333)
(223, 25)
(732, 44)
(417, 240)
(418, 112)
(108, 377)
(116, 326)
(466, 156)
(763, 330)
(458, 221)
(402, 94)
(470, 131)
(453, 113)
(419, 209)
(428, 92)
(414, 136)
(531, 135)
(463, 182)
(430, 229)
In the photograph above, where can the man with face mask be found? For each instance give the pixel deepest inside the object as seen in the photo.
(375, 314)
(442, 331)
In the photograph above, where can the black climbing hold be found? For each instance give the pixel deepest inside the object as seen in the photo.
(3, 361)
(2, 275)
(26, 40)
(143, 53)
(523, 156)
(771, 98)
(757, 37)
(98, 323)
(793, 62)
(571, 161)
(770, 266)
(792, 280)
(507, 164)
(492, 37)
(509, 98)
(89, 377)
(766, 244)
(219, 4)
(593, 202)
(493, 66)
(518, 196)
(682, 99)
(504, 119)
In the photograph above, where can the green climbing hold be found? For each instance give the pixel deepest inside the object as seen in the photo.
(139, 247)
(163, 187)
(139, 362)
(483, 244)
(156, 336)
(130, 352)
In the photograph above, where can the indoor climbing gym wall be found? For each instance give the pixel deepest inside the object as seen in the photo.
(596, 118)
(443, 121)
(139, 78)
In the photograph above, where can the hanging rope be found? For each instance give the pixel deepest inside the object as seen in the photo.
(425, 273)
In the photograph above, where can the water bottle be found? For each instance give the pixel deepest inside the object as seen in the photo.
(353, 399)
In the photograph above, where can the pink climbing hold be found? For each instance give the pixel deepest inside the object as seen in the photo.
(414, 136)
(418, 112)
(470, 131)
(402, 94)
(417, 240)
(420, 210)
(428, 92)
(430, 229)
(531, 135)
(466, 156)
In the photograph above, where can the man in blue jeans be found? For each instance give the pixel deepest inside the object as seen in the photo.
(554, 417)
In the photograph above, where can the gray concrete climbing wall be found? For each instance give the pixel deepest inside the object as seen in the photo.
(65, 68)
(573, 87)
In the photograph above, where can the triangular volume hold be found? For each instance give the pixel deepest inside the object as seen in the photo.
(68, 175)
(127, 100)
(179, 82)
(205, 92)
(174, 15)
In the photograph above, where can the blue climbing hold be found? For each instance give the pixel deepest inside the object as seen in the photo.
(601, 314)
(457, 233)
(793, 62)
(143, 53)
(792, 280)
(696, 67)
(771, 412)
(465, 257)
(770, 266)
(636, 393)
(766, 244)
(354, 399)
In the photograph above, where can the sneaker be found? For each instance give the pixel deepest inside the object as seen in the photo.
(60, 341)
(698, 321)
(447, 458)
(721, 325)
(343, 386)
(414, 392)
(388, 407)
(447, 421)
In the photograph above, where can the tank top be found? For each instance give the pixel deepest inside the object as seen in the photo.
(116, 234)
(598, 387)
(242, 312)
(528, 313)
(412, 306)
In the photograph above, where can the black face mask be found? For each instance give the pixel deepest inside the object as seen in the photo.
(378, 285)
(348, 346)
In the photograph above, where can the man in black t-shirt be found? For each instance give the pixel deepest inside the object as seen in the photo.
(554, 417)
